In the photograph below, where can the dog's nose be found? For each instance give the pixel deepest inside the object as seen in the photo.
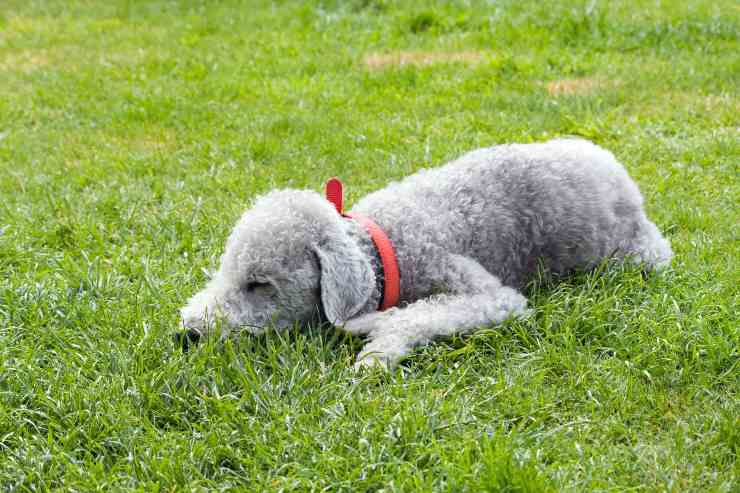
(186, 339)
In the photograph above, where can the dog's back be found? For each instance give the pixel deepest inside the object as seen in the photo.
(566, 202)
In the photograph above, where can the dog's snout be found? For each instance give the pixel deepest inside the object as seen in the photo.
(187, 338)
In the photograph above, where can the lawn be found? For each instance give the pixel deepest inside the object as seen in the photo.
(133, 134)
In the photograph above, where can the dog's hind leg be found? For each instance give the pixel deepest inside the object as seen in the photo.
(474, 298)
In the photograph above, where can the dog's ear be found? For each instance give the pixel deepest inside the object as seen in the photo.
(347, 279)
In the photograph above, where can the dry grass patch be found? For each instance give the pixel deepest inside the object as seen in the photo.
(27, 61)
(80, 148)
(376, 61)
(153, 139)
(715, 102)
(710, 104)
(20, 24)
(24, 61)
(583, 85)
(123, 58)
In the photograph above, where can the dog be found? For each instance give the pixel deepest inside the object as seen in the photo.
(460, 242)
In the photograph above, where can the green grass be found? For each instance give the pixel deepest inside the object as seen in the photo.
(132, 134)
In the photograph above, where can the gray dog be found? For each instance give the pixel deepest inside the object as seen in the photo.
(466, 237)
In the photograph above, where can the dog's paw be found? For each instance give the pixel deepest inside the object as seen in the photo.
(371, 362)
(382, 352)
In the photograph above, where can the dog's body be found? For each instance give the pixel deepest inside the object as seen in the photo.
(466, 235)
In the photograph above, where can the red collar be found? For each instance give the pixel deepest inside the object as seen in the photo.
(392, 278)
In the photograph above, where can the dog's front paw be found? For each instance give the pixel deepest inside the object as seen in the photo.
(382, 352)
(369, 362)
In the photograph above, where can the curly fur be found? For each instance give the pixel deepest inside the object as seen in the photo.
(467, 236)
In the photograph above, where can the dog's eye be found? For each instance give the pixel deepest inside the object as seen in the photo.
(251, 287)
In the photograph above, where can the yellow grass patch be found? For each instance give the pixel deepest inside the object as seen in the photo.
(718, 101)
(576, 86)
(143, 141)
(375, 61)
(24, 61)
(122, 58)
(152, 139)
(18, 24)
(699, 102)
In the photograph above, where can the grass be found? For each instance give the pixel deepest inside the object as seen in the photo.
(132, 134)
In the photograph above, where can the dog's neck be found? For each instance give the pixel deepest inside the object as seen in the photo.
(360, 235)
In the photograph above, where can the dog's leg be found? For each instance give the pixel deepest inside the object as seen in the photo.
(473, 298)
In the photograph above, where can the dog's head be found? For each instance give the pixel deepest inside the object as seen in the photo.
(288, 256)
